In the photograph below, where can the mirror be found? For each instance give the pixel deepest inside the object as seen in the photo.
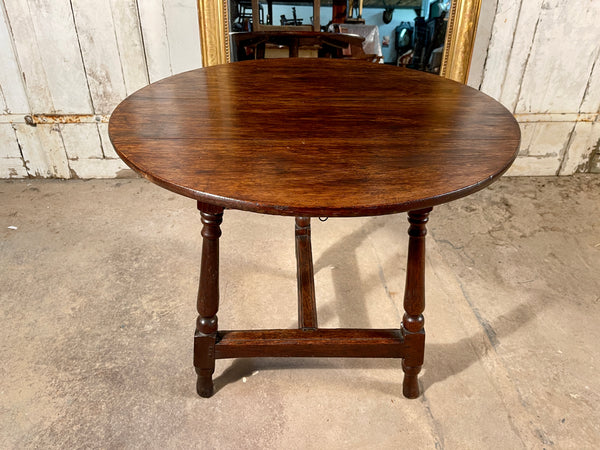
(461, 25)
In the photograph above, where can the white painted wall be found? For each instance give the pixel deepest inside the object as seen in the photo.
(540, 58)
(82, 57)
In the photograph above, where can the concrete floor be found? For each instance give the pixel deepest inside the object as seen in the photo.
(97, 302)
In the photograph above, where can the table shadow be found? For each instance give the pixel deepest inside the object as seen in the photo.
(349, 287)
(457, 357)
(460, 355)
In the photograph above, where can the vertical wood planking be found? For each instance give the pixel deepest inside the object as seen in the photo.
(107, 148)
(505, 22)
(129, 40)
(13, 99)
(528, 131)
(11, 163)
(81, 141)
(6, 54)
(546, 139)
(181, 19)
(591, 101)
(543, 145)
(171, 36)
(28, 53)
(100, 52)
(43, 151)
(99, 168)
(543, 61)
(9, 148)
(59, 51)
(483, 37)
(59, 56)
(12, 168)
(562, 41)
(44, 58)
(528, 166)
(585, 140)
(83, 57)
(520, 52)
(3, 106)
(156, 39)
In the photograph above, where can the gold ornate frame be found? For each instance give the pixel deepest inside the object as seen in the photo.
(462, 26)
(460, 37)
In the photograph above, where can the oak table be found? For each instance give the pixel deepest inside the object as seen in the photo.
(308, 138)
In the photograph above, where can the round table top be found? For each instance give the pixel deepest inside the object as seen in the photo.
(315, 137)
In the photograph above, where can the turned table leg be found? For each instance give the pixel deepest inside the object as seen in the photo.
(208, 299)
(414, 302)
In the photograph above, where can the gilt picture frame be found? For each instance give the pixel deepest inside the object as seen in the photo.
(458, 49)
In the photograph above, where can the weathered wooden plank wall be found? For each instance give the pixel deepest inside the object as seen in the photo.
(81, 58)
(543, 64)
(540, 58)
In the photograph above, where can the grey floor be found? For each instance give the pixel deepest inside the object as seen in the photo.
(97, 306)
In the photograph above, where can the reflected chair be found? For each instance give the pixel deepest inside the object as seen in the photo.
(265, 44)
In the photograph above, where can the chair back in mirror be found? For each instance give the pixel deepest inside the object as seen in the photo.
(294, 44)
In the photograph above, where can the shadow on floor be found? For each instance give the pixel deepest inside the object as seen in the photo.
(458, 356)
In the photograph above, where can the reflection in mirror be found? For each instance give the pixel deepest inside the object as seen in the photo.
(217, 17)
(407, 33)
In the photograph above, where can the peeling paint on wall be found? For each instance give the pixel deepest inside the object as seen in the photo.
(543, 64)
(65, 65)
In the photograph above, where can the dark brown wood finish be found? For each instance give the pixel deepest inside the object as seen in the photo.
(414, 301)
(313, 138)
(308, 137)
(347, 343)
(205, 336)
(307, 306)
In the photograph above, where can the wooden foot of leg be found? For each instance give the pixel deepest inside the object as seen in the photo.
(204, 384)
(410, 385)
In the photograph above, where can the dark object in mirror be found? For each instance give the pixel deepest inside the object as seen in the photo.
(435, 9)
(420, 44)
(295, 21)
(404, 37)
(388, 15)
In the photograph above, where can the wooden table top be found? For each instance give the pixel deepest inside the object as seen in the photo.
(315, 137)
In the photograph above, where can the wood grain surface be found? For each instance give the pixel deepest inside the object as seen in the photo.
(307, 137)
